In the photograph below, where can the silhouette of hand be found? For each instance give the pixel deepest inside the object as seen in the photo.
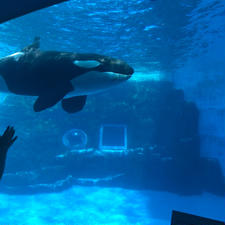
(7, 139)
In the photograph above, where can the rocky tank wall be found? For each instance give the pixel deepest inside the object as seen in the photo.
(163, 143)
(203, 80)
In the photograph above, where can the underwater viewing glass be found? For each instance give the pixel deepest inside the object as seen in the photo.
(119, 110)
(75, 139)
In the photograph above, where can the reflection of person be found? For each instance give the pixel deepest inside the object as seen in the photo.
(6, 140)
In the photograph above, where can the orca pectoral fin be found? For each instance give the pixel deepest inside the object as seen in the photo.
(46, 101)
(74, 104)
(52, 97)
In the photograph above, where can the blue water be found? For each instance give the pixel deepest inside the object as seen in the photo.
(181, 42)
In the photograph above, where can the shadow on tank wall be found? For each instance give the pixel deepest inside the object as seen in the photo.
(163, 144)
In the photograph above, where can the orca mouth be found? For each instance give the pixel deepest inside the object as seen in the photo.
(116, 67)
(130, 71)
(119, 75)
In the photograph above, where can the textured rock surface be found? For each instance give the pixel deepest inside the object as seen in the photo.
(163, 141)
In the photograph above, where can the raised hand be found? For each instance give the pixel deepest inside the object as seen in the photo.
(7, 139)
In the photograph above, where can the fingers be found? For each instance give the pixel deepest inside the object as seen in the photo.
(7, 139)
(9, 132)
(8, 135)
(6, 132)
(13, 140)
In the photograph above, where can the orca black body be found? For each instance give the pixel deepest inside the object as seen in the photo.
(54, 76)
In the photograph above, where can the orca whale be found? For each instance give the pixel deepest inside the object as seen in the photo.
(56, 76)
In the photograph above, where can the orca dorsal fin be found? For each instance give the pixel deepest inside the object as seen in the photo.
(34, 46)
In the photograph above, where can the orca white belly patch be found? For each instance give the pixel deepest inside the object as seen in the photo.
(92, 83)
